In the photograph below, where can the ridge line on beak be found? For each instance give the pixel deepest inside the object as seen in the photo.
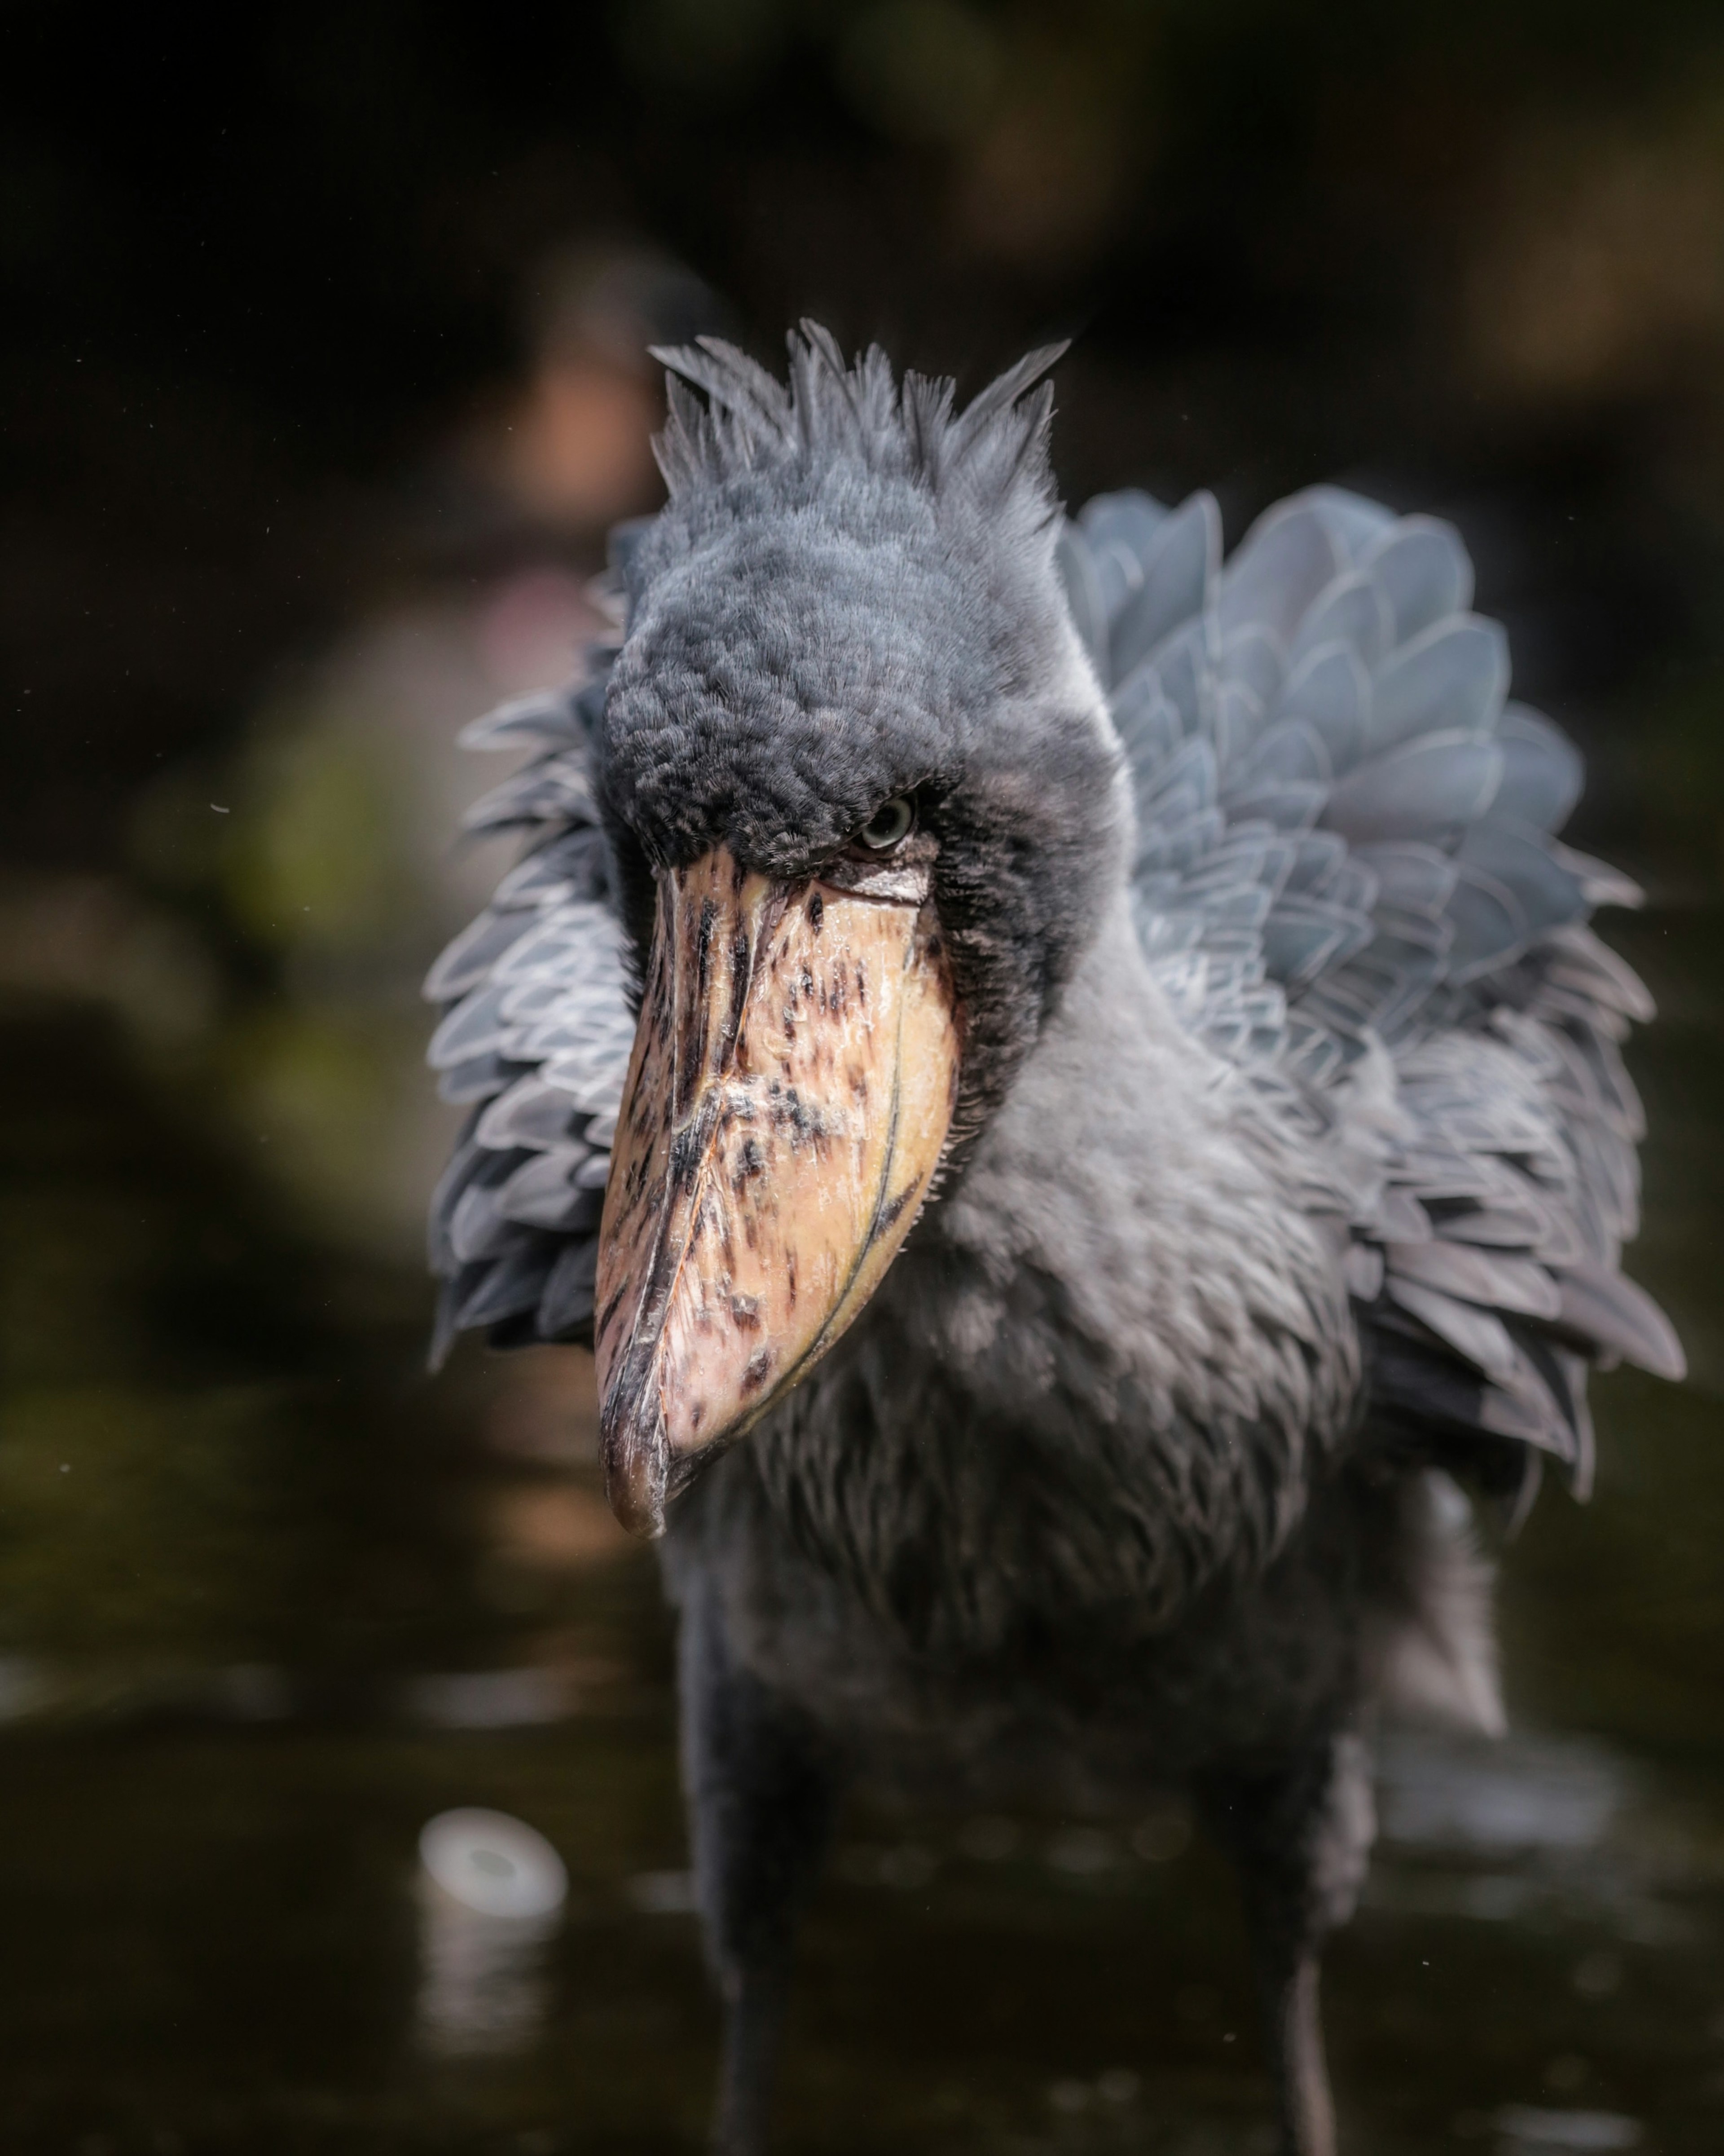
(691, 1135)
(694, 1132)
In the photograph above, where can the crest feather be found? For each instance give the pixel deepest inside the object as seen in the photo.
(993, 454)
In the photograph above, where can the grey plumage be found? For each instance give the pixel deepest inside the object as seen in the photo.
(1294, 1153)
(1451, 928)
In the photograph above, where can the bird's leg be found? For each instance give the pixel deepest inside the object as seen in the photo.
(760, 1798)
(1294, 2041)
(754, 2015)
(1301, 1835)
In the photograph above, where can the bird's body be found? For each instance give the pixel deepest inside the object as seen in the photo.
(1021, 1345)
(1190, 947)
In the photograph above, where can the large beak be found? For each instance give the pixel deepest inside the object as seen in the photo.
(792, 1085)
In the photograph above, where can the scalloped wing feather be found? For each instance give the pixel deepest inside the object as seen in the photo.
(1348, 886)
(534, 1036)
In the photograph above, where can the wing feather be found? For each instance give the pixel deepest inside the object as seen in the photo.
(535, 1034)
(1346, 865)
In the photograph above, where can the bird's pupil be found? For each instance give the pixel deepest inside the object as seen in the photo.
(888, 824)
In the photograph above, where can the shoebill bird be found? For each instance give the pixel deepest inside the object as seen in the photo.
(1068, 1083)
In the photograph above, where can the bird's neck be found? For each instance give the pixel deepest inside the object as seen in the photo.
(1129, 1230)
(1104, 1367)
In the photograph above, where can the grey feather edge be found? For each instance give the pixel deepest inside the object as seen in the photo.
(533, 1039)
(1349, 885)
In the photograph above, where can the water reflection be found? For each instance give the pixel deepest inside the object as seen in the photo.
(1518, 1795)
(491, 1895)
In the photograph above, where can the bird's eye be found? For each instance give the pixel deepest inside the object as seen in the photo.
(890, 825)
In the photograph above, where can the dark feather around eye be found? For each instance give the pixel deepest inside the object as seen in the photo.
(890, 825)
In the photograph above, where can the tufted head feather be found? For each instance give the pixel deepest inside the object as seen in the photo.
(851, 594)
(989, 460)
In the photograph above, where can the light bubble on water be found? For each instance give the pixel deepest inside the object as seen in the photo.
(494, 1864)
(491, 1894)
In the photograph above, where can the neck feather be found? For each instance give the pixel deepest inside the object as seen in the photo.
(1158, 1196)
(1109, 1362)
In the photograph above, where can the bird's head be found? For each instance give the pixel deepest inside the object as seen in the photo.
(867, 810)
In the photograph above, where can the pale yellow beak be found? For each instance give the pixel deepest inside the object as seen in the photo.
(793, 1082)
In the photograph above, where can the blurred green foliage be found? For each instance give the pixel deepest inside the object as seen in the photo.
(320, 859)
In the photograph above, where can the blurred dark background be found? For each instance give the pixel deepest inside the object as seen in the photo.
(263, 276)
(323, 372)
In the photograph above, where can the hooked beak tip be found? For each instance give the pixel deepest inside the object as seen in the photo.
(636, 1450)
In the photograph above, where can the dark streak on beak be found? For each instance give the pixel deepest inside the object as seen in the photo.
(794, 1070)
